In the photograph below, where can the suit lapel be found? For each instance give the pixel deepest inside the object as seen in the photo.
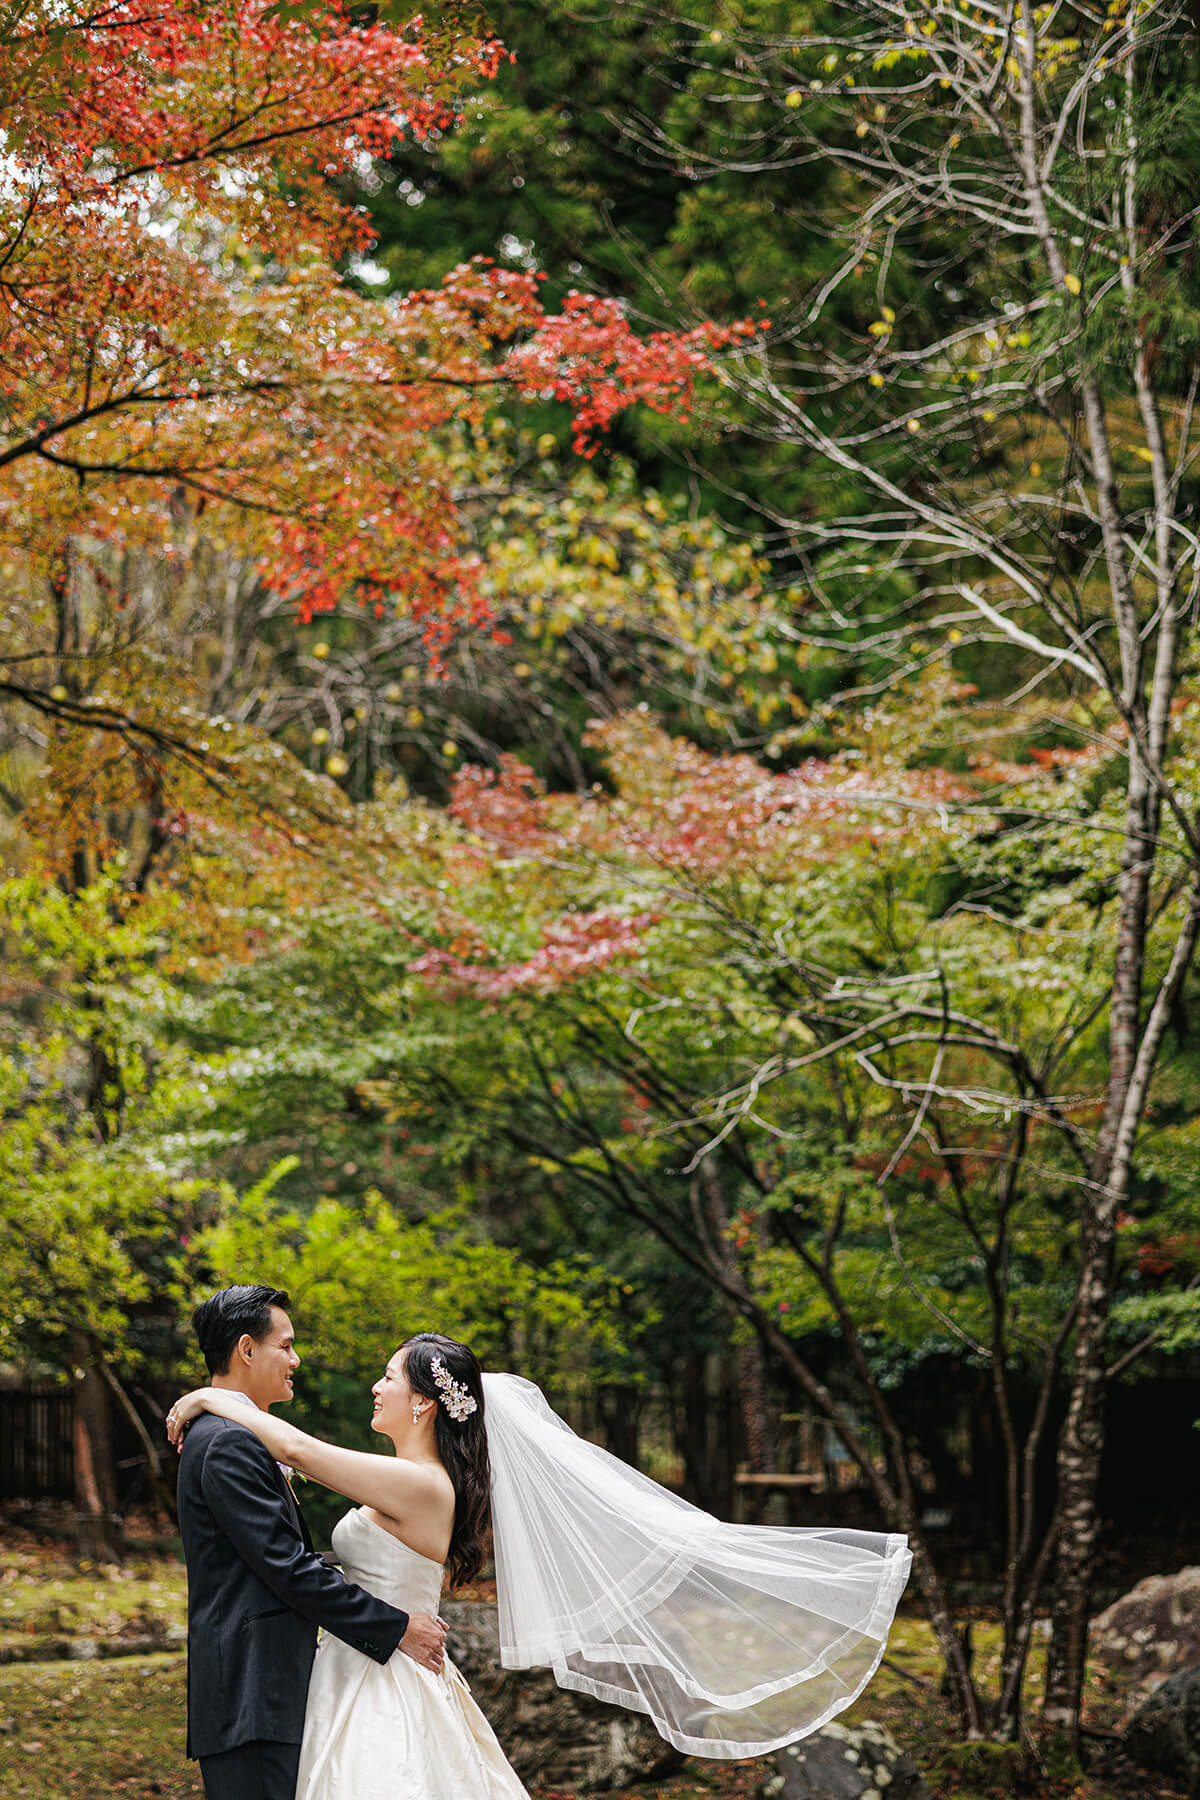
(300, 1519)
(297, 1517)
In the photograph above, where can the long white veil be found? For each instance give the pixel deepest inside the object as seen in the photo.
(735, 1639)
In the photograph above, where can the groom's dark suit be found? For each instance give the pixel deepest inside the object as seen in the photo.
(256, 1595)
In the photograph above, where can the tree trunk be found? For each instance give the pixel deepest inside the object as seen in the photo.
(1134, 1053)
(156, 1459)
(95, 1474)
(620, 1410)
(756, 1424)
(1082, 1440)
(692, 1433)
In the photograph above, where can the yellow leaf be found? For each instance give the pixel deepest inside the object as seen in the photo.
(1072, 283)
(877, 379)
(793, 97)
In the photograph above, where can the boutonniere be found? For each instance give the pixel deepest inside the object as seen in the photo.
(292, 1476)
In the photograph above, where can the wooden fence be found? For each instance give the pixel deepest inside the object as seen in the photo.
(36, 1456)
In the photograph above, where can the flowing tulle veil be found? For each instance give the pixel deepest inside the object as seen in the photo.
(734, 1639)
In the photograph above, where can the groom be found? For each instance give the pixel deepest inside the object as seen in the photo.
(256, 1589)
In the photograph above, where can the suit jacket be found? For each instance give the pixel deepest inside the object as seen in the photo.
(257, 1593)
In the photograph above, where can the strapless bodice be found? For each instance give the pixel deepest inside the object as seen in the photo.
(379, 1562)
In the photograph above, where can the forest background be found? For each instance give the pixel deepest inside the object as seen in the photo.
(597, 745)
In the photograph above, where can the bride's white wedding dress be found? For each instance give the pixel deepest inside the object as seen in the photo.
(394, 1730)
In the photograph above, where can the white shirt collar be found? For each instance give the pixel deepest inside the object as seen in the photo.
(237, 1394)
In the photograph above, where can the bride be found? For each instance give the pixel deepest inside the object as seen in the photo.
(734, 1639)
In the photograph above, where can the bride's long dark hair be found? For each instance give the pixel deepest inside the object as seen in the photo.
(462, 1445)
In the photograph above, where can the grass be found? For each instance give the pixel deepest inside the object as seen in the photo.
(95, 1729)
(45, 1598)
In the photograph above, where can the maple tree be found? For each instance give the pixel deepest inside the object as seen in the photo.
(598, 589)
(176, 333)
(194, 392)
(714, 990)
(995, 370)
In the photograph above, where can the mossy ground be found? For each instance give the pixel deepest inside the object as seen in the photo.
(46, 1597)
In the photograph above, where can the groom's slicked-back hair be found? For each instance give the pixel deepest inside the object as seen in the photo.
(229, 1315)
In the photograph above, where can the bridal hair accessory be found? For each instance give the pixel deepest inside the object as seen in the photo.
(733, 1639)
(455, 1397)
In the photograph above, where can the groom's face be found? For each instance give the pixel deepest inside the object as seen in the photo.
(273, 1362)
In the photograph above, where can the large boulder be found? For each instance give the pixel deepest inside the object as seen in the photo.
(844, 1762)
(1149, 1633)
(1164, 1733)
(552, 1738)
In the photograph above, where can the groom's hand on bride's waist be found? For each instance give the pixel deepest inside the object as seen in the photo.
(425, 1641)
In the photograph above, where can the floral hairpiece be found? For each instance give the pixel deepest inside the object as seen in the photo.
(455, 1398)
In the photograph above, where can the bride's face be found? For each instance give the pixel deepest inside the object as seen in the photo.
(394, 1399)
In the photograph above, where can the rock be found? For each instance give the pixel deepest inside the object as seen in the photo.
(1149, 1633)
(844, 1762)
(1164, 1734)
(552, 1738)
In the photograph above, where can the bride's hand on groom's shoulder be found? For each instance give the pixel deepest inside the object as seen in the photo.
(425, 1641)
(186, 1408)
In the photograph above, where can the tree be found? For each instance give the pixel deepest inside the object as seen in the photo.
(193, 392)
(550, 167)
(782, 1023)
(91, 1228)
(1021, 353)
(600, 592)
(176, 337)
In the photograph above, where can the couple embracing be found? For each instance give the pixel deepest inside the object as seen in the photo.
(733, 1639)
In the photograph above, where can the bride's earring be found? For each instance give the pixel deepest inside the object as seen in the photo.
(416, 1413)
